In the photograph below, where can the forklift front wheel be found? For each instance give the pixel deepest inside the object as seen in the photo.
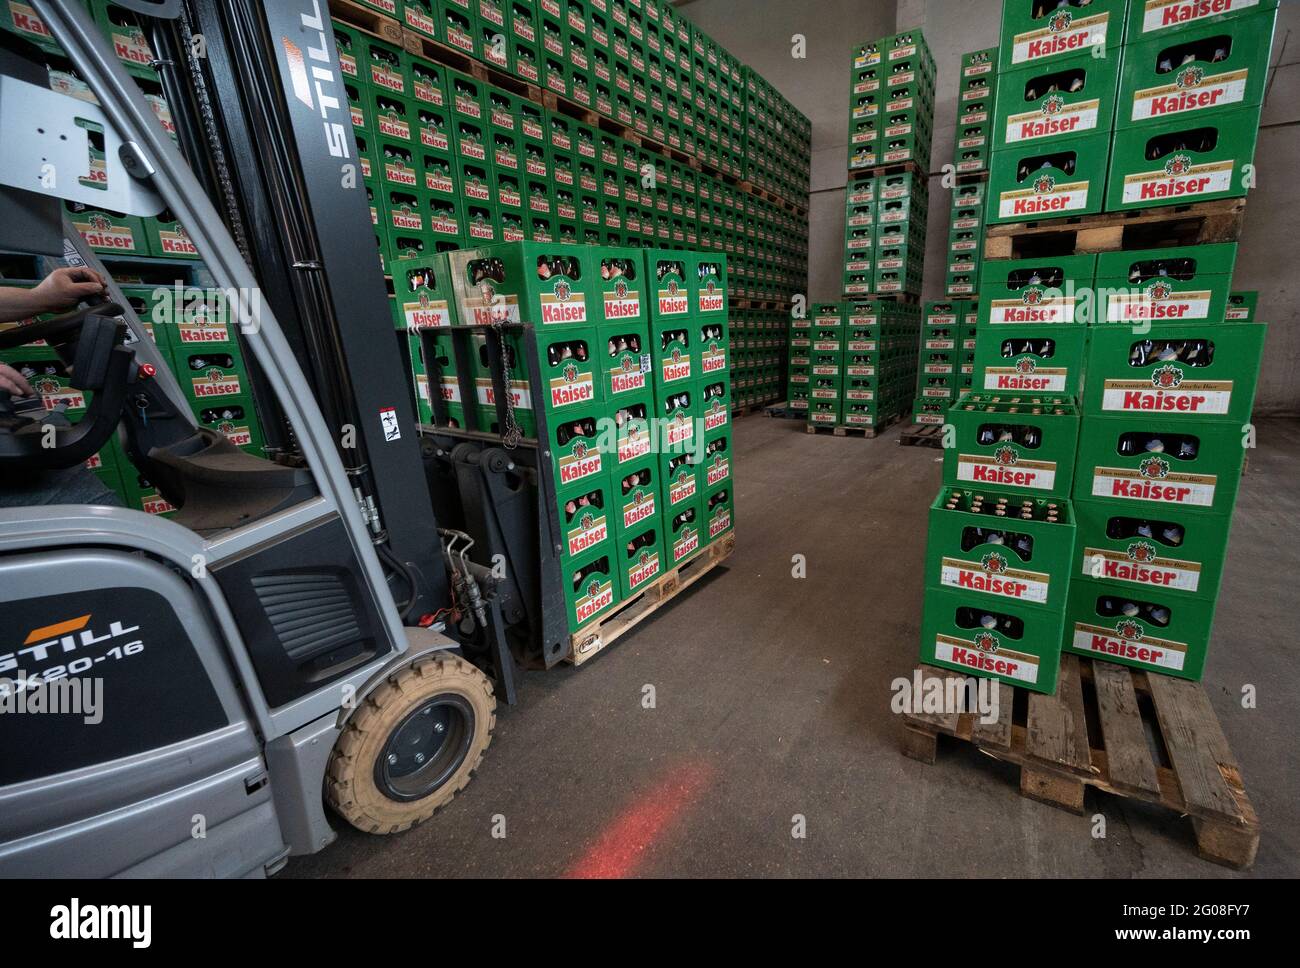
(412, 745)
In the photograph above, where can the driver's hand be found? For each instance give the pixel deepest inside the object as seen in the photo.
(14, 382)
(64, 288)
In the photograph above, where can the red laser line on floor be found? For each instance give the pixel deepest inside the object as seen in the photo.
(622, 846)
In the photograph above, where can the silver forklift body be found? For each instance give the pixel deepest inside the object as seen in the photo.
(235, 650)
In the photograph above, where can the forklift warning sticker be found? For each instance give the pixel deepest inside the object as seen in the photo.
(1188, 396)
(1006, 468)
(994, 577)
(1152, 480)
(388, 419)
(992, 658)
(1129, 641)
(1139, 565)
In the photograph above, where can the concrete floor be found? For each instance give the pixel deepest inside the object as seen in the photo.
(772, 700)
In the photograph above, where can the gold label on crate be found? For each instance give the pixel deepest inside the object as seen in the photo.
(598, 597)
(1044, 197)
(1192, 90)
(1054, 119)
(572, 387)
(1129, 640)
(589, 529)
(1140, 564)
(1179, 178)
(1007, 468)
(686, 544)
(519, 393)
(646, 568)
(994, 575)
(1064, 34)
(1165, 393)
(640, 508)
(216, 383)
(1154, 480)
(1026, 375)
(1161, 14)
(1033, 305)
(986, 653)
(1158, 302)
(719, 522)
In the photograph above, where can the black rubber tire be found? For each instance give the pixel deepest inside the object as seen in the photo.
(350, 786)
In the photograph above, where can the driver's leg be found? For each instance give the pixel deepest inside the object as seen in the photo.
(72, 485)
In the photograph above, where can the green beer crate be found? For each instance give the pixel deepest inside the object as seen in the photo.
(638, 498)
(236, 420)
(672, 323)
(547, 285)
(434, 134)
(386, 67)
(1169, 554)
(635, 431)
(685, 533)
(392, 118)
(1168, 19)
(1182, 161)
(576, 447)
(208, 376)
(421, 17)
(20, 18)
(719, 513)
(1146, 630)
(1003, 547)
(1186, 284)
(641, 558)
(446, 220)
(1036, 292)
(1048, 181)
(715, 404)
(125, 31)
(428, 84)
(1241, 307)
(433, 365)
(1019, 644)
(587, 519)
(1190, 373)
(1014, 443)
(459, 28)
(679, 480)
(108, 231)
(824, 413)
(1043, 105)
(944, 313)
(1036, 33)
(403, 211)
(1031, 359)
(591, 589)
(571, 369)
(708, 283)
(191, 319)
(1150, 463)
(928, 411)
(715, 466)
(139, 494)
(398, 165)
(1197, 73)
(167, 239)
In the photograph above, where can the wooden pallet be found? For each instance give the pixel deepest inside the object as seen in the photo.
(851, 430)
(902, 167)
(921, 435)
(910, 298)
(1148, 228)
(586, 644)
(783, 411)
(1146, 737)
(367, 19)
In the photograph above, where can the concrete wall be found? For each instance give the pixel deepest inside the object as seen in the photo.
(758, 32)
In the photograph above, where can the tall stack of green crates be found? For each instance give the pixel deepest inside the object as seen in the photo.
(1126, 105)
(1170, 385)
(861, 359)
(973, 144)
(890, 130)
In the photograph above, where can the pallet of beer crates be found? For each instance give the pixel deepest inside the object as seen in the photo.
(634, 350)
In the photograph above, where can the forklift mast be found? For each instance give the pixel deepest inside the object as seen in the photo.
(263, 118)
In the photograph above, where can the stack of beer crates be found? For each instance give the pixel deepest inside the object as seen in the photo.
(890, 130)
(1077, 133)
(633, 352)
(862, 357)
(1145, 356)
(939, 376)
(826, 367)
(1167, 401)
(972, 148)
(798, 384)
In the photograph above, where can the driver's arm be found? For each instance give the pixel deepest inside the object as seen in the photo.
(59, 291)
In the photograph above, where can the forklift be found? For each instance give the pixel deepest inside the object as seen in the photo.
(328, 625)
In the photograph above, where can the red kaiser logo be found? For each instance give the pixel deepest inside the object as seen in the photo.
(1005, 456)
(1044, 184)
(987, 642)
(1190, 77)
(1141, 552)
(1053, 105)
(1129, 629)
(1167, 377)
(1154, 468)
(994, 563)
(1032, 296)
(1178, 165)
(1026, 365)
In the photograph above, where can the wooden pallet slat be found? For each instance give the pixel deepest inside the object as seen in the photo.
(1196, 746)
(996, 735)
(921, 435)
(1128, 758)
